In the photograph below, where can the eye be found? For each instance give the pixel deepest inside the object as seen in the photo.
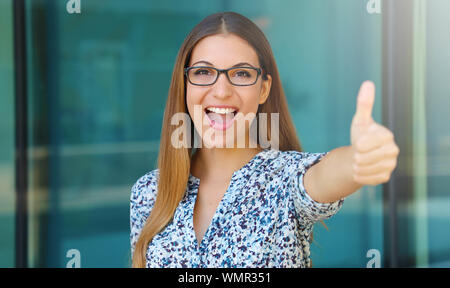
(202, 72)
(243, 73)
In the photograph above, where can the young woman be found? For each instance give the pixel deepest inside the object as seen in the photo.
(252, 205)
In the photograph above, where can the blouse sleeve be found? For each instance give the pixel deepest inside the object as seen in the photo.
(136, 221)
(308, 210)
(141, 200)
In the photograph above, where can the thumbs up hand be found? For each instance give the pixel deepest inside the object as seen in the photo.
(374, 149)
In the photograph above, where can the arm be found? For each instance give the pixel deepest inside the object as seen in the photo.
(369, 160)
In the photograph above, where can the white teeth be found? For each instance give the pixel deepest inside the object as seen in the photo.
(220, 110)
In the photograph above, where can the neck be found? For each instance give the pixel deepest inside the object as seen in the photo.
(220, 163)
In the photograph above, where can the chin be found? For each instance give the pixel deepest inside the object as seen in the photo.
(218, 140)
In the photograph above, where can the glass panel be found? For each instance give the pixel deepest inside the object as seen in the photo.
(324, 51)
(333, 47)
(98, 85)
(421, 116)
(7, 164)
(438, 132)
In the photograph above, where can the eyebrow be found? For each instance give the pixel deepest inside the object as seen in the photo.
(235, 65)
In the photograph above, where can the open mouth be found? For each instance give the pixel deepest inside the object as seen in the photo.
(220, 118)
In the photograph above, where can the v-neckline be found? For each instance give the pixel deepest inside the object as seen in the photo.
(196, 181)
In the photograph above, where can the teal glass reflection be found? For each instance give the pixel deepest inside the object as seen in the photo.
(98, 86)
(7, 166)
(324, 51)
(437, 202)
(98, 83)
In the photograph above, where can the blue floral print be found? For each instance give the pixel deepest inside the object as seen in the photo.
(264, 219)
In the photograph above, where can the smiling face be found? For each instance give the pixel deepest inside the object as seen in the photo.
(221, 102)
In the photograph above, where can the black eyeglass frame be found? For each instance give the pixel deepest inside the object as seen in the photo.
(220, 71)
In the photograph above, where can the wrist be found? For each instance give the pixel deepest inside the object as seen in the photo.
(351, 166)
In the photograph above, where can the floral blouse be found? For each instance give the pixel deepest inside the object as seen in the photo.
(264, 219)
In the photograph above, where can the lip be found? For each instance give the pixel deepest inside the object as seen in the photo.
(223, 126)
(222, 106)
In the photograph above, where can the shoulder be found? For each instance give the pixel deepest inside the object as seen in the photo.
(143, 196)
(294, 161)
(144, 190)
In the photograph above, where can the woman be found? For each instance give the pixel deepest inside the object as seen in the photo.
(229, 205)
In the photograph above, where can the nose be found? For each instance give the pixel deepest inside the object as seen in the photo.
(222, 87)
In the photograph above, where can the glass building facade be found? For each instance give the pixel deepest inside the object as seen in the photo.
(82, 98)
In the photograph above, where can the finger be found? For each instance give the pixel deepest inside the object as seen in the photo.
(364, 103)
(372, 180)
(374, 139)
(376, 136)
(387, 151)
(387, 165)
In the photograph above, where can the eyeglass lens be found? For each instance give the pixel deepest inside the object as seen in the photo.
(237, 76)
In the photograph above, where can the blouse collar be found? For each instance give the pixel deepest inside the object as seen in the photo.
(243, 172)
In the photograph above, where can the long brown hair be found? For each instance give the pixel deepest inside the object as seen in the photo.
(174, 163)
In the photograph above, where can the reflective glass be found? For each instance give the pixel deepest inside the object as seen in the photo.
(97, 87)
(7, 165)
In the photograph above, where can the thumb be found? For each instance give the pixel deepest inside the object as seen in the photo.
(364, 104)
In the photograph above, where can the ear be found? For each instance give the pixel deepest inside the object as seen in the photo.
(265, 89)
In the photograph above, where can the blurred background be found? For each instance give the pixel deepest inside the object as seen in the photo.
(82, 97)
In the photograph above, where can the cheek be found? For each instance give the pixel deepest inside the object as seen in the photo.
(192, 99)
(250, 103)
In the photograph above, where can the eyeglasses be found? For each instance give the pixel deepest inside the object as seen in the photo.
(206, 75)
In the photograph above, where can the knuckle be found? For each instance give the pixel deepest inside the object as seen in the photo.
(360, 145)
(372, 182)
(394, 163)
(389, 164)
(396, 150)
(357, 158)
(389, 134)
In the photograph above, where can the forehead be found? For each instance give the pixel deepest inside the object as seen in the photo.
(224, 51)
